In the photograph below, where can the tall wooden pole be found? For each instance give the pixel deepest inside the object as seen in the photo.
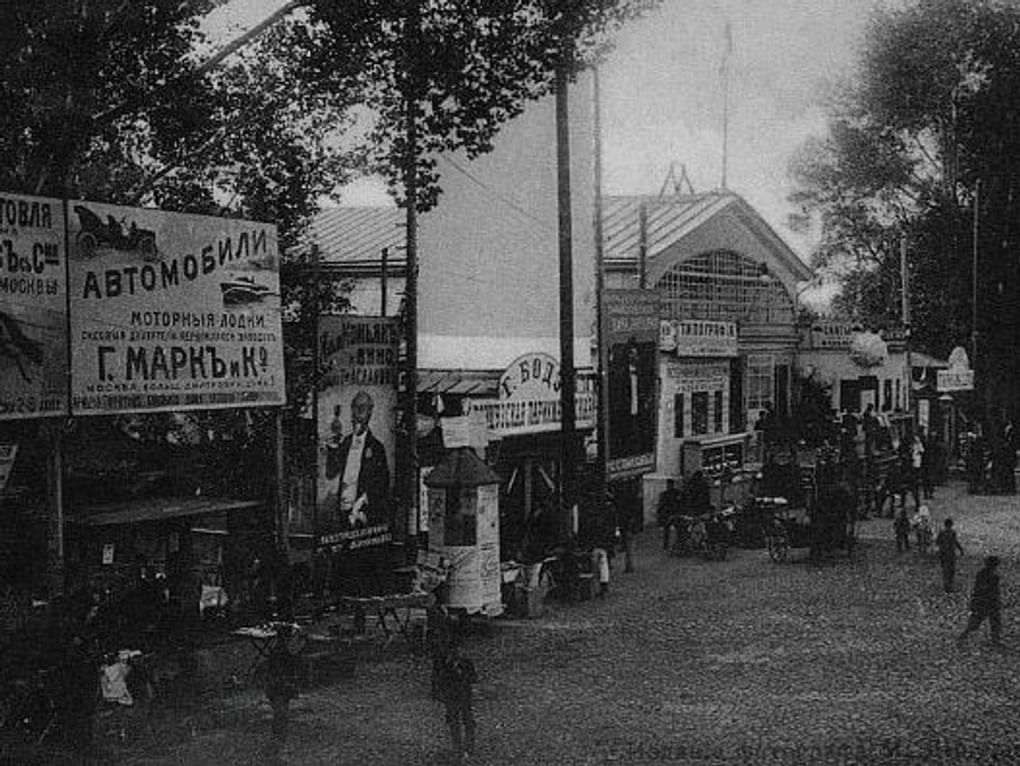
(567, 374)
(602, 390)
(905, 310)
(383, 281)
(411, 278)
(974, 280)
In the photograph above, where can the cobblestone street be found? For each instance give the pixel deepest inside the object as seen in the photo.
(686, 661)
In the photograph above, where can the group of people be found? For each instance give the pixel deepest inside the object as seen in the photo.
(985, 600)
(990, 456)
(452, 678)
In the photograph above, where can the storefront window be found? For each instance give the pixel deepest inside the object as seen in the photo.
(760, 380)
(678, 416)
(699, 413)
(898, 405)
(717, 413)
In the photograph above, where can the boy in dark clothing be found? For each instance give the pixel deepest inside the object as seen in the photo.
(948, 546)
(279, 676)
(985, 602)
(901, 526)
(456, 675)
(669, 507)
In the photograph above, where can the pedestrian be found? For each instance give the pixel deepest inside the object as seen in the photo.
(279, 678)
(901, 526)
(438, 632)
(948, 545)
(669, 507)
(457, 674)
(929, 466)
(985, 602)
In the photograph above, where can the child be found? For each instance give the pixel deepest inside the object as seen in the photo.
(456, 675)
(902, 528)
(280, 683)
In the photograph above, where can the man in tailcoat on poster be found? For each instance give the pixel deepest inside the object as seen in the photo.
(359, 461)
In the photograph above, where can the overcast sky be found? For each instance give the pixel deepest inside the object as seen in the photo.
(662, 92)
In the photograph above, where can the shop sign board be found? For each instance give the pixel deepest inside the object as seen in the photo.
(833, 334)
(172, 311)
(33, 308)
(630, 339)
(357, 406)
(531, 376)
(517, 417)
(955, 380)
(692, 337)
(959, 376)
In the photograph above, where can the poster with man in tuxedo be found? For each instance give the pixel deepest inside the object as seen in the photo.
(358, 463)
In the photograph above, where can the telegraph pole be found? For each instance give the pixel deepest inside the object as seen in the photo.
(411, 275)
(567, 374)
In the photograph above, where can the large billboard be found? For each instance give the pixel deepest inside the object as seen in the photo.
(357, 422)
(33, 308)
(172, 311)
(631, 337)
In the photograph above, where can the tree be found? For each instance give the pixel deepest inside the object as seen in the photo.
(929, 117)
(469, 66)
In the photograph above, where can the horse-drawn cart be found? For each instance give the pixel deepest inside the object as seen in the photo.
(824, 521)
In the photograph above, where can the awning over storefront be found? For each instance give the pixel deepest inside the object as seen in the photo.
(161, 509)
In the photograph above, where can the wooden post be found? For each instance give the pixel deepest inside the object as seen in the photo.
(282, 516)
(410, 478)
(567, 374)
(382, 281)
(56, 570)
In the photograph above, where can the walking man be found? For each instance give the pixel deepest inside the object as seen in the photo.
(901, 526)
(985, 602)
(948, 546)
(457, 674)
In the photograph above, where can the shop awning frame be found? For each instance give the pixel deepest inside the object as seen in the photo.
(161, 509)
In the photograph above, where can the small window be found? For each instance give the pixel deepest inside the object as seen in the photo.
(898, 404)
(887, 395)
(678, 416)
(717, 413)
(699, 413)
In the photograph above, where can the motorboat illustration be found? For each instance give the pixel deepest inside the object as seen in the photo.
(243, 290)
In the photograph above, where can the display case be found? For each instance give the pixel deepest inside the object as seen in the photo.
(714, 456)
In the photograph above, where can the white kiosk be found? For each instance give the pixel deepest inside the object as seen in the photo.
(463, 503)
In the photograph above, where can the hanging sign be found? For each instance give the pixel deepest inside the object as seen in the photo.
(33, 308)
(172, 311)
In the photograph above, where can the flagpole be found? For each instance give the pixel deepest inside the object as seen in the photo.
(725, 69)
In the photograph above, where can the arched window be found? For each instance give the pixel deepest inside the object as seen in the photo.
(724, 286)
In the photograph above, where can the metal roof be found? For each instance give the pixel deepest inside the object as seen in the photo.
(460, 382)
(359, 234)
(669, 219)
(672, 218)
